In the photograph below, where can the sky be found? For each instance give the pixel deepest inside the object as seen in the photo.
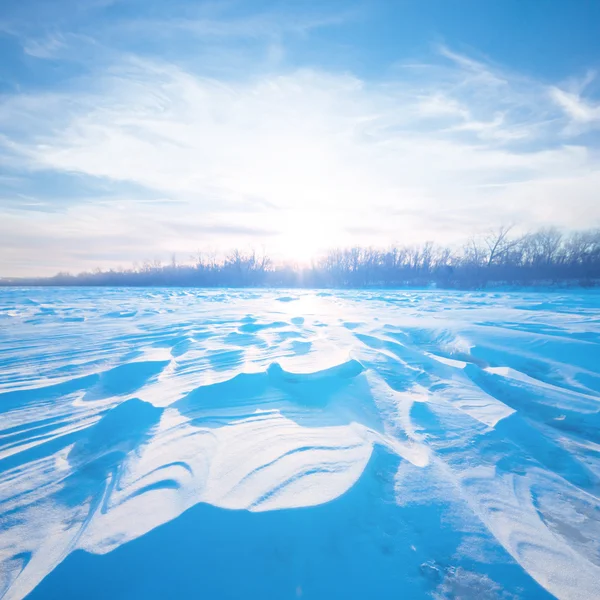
(135, 130)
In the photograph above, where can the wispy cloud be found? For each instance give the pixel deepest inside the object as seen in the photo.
(579, 110)
(47, 47)
(265, 25)
(478, 69)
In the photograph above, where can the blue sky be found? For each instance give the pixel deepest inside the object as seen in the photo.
(135, 129)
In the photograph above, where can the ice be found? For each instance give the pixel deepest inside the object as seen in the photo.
(281, 444)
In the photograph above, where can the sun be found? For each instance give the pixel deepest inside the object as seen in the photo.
(304, 236)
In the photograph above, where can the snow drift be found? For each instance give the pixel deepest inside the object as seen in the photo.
(160, 443)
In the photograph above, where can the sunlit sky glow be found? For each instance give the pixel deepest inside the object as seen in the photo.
(133, 130)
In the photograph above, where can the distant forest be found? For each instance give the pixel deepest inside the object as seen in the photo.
(544, 257)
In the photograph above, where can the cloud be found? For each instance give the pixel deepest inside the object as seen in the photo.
(266, 25)
(480, 70)
(47, 47)
(217, 230)
(577, 108)
(297, 158)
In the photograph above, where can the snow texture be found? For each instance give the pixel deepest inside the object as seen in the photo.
(227, 444)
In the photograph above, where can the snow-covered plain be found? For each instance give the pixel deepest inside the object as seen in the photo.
(161, 443)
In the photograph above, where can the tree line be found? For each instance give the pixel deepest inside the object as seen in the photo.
(544, 257)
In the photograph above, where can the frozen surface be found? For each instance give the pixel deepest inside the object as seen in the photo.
(262, 444)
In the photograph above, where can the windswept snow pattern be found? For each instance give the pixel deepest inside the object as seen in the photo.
(228, 444)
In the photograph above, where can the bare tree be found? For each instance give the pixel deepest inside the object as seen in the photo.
(498, 243)
(543, 256)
